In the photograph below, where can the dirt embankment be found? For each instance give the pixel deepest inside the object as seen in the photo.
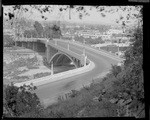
(21, 64)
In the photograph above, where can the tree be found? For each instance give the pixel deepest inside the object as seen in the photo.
(39, 28)
(8, 41)
(52, 31)
(130, 80)
(15, 17)
(56, 31)
(48, 32)
(20, 100)
(29, 33)
(135, 51)
(116, 70)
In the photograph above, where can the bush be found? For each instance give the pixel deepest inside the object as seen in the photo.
(45, 62)
(74, 93)
(115, 70)
(20, 100)
(8, 41)
(29, 33)
(130, 80)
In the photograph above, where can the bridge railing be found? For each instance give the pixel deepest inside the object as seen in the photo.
(59, 47)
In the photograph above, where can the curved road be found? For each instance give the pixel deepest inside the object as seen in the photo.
(49, 93)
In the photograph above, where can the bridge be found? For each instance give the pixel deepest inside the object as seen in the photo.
(49, 92)
(54, 52)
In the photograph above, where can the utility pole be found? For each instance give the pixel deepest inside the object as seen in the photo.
(52, 68)
(84, 51)
(55, 42)
(68, 45)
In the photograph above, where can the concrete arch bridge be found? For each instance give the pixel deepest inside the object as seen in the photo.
(56, 53)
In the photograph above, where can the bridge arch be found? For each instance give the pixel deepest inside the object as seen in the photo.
(58, 55)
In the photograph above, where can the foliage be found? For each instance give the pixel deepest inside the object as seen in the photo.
(39, 28)
(52, 31)
(135, 53)
(45, 62)
(8, 41)
(115, 70)
(56, 31)
(73, 93)
(30, 33)
(48, 32)
(20, 100)
(130, 80)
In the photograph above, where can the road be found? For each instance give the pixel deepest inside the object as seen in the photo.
(48, 93)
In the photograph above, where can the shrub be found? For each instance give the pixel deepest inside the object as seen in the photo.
(8, 41)
(115, 70)
(74, 93)
(20, 100)
(45, 62)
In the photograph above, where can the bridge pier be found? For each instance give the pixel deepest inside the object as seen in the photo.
(78, 63)
(28, 45)
(50, 51)
(23, 44)
(34, 46)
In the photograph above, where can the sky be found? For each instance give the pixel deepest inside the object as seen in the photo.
(94, 15)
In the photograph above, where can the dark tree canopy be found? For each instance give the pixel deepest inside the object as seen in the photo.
(39, 28)
(52, 31)
(19, 100)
